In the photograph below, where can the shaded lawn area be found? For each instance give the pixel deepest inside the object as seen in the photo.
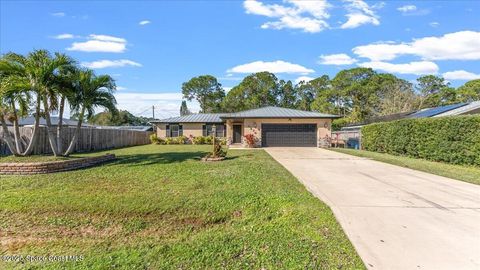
(158, 207)
(469, 174)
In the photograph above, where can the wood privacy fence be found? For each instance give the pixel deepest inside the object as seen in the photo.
(90, 139)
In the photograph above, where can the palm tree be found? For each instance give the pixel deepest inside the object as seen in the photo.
(91, 92)
(14, 91)
(52, 72)
(37, 75)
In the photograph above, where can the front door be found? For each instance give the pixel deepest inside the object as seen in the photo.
(237, 133)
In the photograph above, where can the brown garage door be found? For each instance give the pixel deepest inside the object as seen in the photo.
(289, 135)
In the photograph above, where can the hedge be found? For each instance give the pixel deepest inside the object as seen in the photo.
(453, 139)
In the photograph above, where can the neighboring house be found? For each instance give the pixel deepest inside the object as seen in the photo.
(441, 111)
(30, 121)
(271, 126)
(135, 128)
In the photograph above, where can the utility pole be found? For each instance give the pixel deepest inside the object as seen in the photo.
(153, 111)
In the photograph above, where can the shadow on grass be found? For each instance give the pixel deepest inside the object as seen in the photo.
(161, 158)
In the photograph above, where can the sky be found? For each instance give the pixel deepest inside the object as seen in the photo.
(151, 47)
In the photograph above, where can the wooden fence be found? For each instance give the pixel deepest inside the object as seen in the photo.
(90, 139)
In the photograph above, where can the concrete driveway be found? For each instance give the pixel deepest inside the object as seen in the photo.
(396, 218)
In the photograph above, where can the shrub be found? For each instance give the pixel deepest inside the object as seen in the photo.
(250, 139)
(169, 140)
(198, 140)
(453, 139)
(218, 151)
(154, 138)
(208, 140)
(181, 140)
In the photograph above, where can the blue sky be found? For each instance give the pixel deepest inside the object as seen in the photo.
(151, 47)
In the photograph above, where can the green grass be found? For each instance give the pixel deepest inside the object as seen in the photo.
(469, 174)
(159, 207)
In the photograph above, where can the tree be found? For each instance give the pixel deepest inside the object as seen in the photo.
(470, 91)
(357, 88)
(256, 90)
(184, 109)
(37, 75)
(91, 92)
(206, 90)
(287, 94)
(122, 118)
(395, 95)
(325, 98)
(430, 89)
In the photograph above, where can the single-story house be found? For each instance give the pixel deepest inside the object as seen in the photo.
(270, 126)
(467, 108)
(30, 121)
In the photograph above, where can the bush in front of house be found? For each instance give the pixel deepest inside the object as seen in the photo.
(154, 139)
(453, 139)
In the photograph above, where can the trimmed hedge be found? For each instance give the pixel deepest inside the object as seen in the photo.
(453, 139)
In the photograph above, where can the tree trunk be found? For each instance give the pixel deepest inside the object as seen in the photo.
(73, 143)
(60, 126)
(51, 138)
(7, 137)
(16, 130)
(33, 139)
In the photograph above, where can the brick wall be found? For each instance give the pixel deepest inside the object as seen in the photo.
(52, 166)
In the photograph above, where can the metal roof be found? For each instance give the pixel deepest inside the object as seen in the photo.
(30, 121)
(265, 112)
(278, 112)
(430, 112)
(193, 118)
(472, 108)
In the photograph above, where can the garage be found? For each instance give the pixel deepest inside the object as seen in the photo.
(303, 135)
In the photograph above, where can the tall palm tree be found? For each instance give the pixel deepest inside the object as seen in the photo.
(15, 100)
(38, 75)
(91, 92)
(51, 71)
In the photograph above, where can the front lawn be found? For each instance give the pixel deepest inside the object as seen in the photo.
(158, 207)
(469, 174)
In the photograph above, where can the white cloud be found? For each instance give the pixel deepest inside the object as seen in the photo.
(417, 68)
(144, 22)
(460, 75)
(407, 8)
(100, 43)
(304, 79)
(166, 104)
(274, 67)
(336, 59)
(309, 16)
(121, 88)
(64, 36)
(360, 13)
(58, 14)
(110, 64)
(434, 24)
(107, 38)
(462, 45)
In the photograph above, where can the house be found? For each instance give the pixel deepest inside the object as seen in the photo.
(270, 126)
(349, 136)
(441, 111)
(30, 121)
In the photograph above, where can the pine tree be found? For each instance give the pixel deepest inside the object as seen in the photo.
(184, 109)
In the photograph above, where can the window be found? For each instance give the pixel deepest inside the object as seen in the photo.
(207, 130)
(174, 130)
